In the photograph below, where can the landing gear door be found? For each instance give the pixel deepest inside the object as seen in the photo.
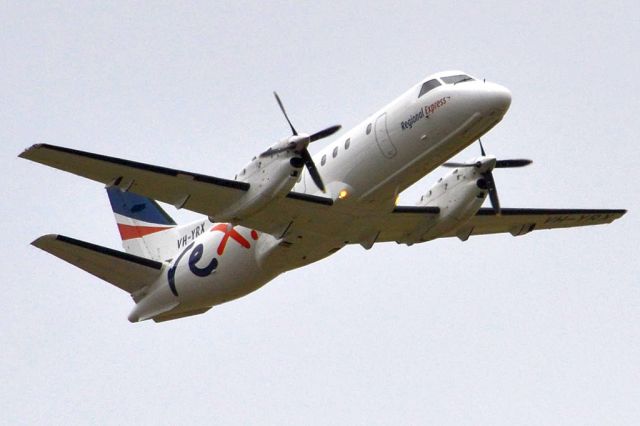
(382, 137)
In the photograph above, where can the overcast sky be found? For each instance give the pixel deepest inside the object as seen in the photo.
(542, 329)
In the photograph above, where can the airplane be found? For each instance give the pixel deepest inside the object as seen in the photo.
(286, 208)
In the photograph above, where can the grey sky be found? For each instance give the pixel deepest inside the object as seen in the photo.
(542, 329)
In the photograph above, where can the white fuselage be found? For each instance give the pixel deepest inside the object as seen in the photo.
(365, 168)
(382, 163)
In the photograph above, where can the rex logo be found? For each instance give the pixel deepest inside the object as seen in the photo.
(229, 232)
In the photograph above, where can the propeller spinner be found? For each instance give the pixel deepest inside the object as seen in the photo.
(299, 142)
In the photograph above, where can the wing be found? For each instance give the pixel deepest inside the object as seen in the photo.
(193, 191)
(405, 224)
(201, 193)
(298, 215)
(126, 271)
(522, 221)
(408, 225)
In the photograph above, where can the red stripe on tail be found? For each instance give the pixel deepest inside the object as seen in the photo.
(128, 232)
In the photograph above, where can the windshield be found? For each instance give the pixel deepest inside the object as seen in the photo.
(429, 85)
(455, 79)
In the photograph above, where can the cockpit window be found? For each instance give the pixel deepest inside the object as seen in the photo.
(455, 79)
(429, 85)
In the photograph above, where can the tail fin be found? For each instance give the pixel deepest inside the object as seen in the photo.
(146, 230)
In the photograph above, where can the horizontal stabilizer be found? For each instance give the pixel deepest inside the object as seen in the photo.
(125, 271)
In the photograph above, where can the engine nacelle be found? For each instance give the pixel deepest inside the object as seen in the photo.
(271, 177)
(459, 196)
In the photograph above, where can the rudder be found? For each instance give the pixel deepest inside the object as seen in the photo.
(145, 228)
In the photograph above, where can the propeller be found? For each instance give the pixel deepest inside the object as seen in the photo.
(299, 143)
(488, 182)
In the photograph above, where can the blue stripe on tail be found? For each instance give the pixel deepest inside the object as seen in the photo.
(137, 207)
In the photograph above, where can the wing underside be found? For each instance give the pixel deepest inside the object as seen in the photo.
(514, 221)
(204, 194)
(193, 191)
(301, 216)
(522, 221)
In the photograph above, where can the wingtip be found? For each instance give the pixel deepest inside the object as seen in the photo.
(25, 154)
(619, 212)
(41, 241)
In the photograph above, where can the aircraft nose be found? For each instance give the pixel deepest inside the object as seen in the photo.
(499, 97)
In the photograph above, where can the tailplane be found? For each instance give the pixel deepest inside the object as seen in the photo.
(126, 271)
(145, 228)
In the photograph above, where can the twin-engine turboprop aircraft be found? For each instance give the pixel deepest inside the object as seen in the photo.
(286, 209)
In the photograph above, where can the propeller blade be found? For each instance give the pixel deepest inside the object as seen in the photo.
(493, 192)
(308, 161)
(270, 152)
(324, 133)
(495, 201)
(520, 162)
(285, 114)
(482, 149)
(452, 165)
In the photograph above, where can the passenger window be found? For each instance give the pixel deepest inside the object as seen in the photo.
(347, 143)
(324, 160)
(428, 86)
(369, 128)
(335, 152)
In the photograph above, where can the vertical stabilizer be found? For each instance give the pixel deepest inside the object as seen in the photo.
(145, 228)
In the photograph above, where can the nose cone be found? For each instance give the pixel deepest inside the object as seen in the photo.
(499, 98)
